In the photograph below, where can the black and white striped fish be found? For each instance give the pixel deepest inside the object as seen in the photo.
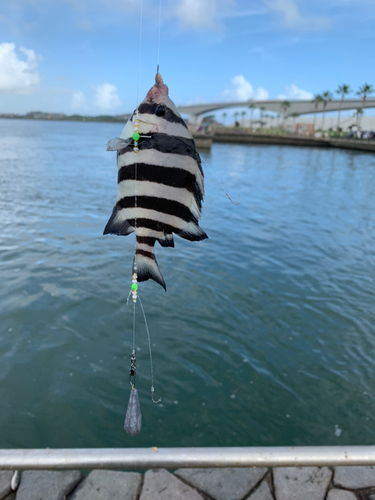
(160, 181)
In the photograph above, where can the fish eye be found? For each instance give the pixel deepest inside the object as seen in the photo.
(160, 110)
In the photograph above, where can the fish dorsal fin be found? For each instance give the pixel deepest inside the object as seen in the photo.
(117, 144)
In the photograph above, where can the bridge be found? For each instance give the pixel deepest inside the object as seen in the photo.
(300, 107)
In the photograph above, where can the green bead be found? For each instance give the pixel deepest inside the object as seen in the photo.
(136, 136)
(134, 286)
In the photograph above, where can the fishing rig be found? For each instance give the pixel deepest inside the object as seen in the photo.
(133, 417)
(166, 169)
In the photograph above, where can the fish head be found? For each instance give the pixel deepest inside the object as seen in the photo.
(158, 91)
(156, 107)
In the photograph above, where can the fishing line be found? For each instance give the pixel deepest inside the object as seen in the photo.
(221, 184)
(157, 68)
(135, 220)
(133, 326)
(135, 170)
(134, 286)
(139, 52)
(213, 171)
(150, 352)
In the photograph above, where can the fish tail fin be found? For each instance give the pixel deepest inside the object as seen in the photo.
(146, 266)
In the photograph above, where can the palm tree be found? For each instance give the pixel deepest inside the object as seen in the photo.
(235, 117)
(243, 113)
(284, 106)
(262, 109)
(317, 99)
(364, 91)
(358, 113)
(342, 90)
(327, 96)
(224, 116)
(251, 107)
(294, 116)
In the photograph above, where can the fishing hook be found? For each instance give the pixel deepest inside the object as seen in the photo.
(229, 198)
(152, 396)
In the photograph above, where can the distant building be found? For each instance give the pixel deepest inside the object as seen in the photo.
(39, 115)
(305, 128)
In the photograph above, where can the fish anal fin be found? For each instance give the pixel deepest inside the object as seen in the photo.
(167, 240)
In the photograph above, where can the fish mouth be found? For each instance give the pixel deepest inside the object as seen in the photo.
(158, 90)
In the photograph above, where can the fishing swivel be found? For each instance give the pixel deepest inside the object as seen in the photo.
(133, 369)
(133, 361)
(132, 376)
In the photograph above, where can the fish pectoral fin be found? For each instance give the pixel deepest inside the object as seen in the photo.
(167, 240)
(117, 144)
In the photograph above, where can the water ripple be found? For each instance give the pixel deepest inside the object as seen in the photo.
(266, 333)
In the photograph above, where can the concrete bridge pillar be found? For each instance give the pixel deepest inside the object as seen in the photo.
(195, 120)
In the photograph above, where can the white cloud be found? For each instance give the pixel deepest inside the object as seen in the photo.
(293, 19)
(241, 90)
(16, 75)
(293, 92)
(105, 97)
(261, 94)
(78, 99)
(199, 14)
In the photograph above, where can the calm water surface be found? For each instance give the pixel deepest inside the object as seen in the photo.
(266, 335)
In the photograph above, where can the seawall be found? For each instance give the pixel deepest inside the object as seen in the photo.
(240, 137)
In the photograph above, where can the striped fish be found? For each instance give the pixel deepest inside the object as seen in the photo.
(160, 181)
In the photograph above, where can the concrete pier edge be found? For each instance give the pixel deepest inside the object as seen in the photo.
(240, 137)
(247, 483)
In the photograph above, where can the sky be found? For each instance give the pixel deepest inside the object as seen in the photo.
(82, 56)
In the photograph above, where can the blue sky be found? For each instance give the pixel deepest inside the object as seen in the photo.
(82, 55)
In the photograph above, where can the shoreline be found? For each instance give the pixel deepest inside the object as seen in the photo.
(233, 136)
(367, 145)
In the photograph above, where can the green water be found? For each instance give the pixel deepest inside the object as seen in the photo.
(265, 336)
